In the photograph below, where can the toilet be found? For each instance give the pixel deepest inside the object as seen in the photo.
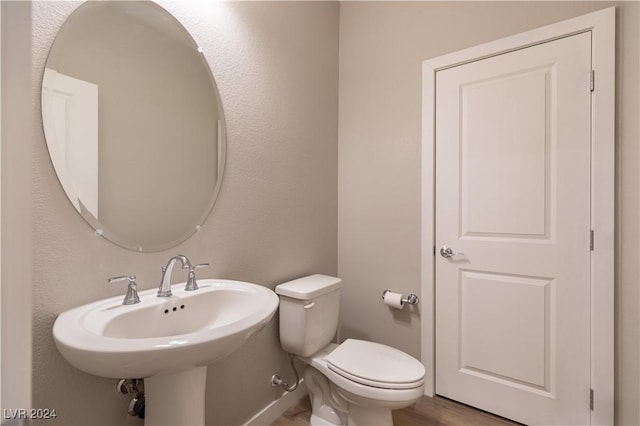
(355, 383)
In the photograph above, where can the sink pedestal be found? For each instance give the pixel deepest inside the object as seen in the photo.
(175, 399)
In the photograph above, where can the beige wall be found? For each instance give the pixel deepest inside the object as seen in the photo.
(16, 202)
(382, 46)
(275, 219)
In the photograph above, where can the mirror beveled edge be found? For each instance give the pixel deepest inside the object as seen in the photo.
(194, 225)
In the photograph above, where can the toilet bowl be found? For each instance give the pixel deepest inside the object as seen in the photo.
(355, 383)
(365, 391)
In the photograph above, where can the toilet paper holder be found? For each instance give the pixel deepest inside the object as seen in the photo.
(411, 299)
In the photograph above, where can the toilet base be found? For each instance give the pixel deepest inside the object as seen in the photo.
(330, 408)
(358, 418)
(319, 421)
(327, 408)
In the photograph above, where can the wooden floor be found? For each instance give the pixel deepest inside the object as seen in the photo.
(427, 411)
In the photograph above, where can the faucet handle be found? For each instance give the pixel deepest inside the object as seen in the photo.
(131, 298)
(191, 280)
(200, 265)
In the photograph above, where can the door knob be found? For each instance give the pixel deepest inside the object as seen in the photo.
(448, 252)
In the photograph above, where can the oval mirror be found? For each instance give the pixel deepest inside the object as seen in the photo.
(133, 123)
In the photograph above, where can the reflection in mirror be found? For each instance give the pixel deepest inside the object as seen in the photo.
(133, 123)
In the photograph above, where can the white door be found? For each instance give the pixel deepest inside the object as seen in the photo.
(513, 205)
(70, 119)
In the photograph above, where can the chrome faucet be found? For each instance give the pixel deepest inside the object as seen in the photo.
(192, 285)
(131, 298)
(165, 284)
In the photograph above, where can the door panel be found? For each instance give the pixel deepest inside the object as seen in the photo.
(504, 128)
(513, 195)
(510, 344)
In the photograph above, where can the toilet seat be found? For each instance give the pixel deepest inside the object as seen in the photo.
(377, 365)
(365, 394)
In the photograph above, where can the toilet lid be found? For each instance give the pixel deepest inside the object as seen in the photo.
(374, 364)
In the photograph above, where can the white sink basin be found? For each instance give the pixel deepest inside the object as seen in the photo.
(163, 335)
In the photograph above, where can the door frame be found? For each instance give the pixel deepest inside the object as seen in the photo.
(601, 24)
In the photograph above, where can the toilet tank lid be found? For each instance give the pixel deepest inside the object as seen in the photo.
(306, 288)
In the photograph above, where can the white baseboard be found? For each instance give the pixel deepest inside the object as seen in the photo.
(271, 412)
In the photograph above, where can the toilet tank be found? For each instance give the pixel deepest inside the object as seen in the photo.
(309, 309)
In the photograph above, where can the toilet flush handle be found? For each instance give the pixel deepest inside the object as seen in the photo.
(309, 305)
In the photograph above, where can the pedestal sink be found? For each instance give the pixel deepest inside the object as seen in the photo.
(167, 341)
